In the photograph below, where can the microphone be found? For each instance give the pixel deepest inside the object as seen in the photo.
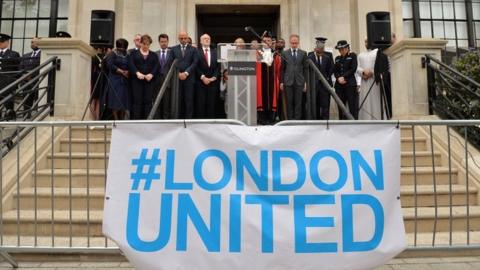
(247, 28)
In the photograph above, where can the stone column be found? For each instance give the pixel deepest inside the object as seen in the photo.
(409, 78)
(72, 85)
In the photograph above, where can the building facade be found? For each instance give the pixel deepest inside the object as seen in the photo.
(457, 21)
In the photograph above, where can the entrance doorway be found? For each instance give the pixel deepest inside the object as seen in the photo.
(225, 23)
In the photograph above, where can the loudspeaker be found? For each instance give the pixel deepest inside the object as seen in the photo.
(379, 29)
(102, 29)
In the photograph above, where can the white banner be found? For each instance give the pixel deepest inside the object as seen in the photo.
(233, 197)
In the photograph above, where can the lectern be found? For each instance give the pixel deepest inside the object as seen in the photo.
(241, 64)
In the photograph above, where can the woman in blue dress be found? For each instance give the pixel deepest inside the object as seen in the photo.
(118, 74)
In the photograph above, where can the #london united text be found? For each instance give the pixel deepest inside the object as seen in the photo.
(268, 188)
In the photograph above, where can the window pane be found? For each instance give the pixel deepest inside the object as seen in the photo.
(32, 8)
(7, 9)
(31, 29)
(17, 45)
(62, 25)
(463, 43)
(7, 27)
(438, 29)
(451, 45)
(424, 10)
(460, 10)
(45, 8)
(18, 28)
(477, 29)
(63, 8)
(408, 29)
(43, 26)
(426, 29)
(437, 12)
(450, 30)
(407, 10)
(462, 32)
(448, 11)
(476, 11)
(26, 46)
(20, 9)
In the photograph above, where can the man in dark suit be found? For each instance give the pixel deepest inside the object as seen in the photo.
(187, 63)
(293, 79)
(208, 73)
(29, 62)
(346, 84)
(165, 57)
(9, 67)
(324, 63)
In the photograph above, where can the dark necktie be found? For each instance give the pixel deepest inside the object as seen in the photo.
(206, 56)
(1, 53)
(183, 50)
(295, 55)
(162, 59)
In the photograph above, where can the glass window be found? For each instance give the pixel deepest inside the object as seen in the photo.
(462, 31)
(425, 10)
(448, 13)
(460, 10)
(7, 9)
(25, 19)
(450, 30)
(407, 10)
(437, 10)
(426, 27)
(408, 29)
(438, 29)
(476, 10)
(63, 8)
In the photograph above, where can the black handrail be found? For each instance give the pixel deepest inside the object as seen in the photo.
(454, 71)
(330, 89)
(163, 88)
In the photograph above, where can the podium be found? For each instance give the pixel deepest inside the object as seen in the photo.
(241, 98)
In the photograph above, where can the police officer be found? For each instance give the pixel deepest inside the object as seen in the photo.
(346, 84)
(9, 65)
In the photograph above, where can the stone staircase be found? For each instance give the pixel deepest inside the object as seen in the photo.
(78, 196)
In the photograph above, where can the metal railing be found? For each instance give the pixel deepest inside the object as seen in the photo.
(53, 184)
(29, 96)
(453, 95)
(170, 83)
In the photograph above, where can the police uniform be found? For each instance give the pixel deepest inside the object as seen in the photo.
(346, 66)
(9, 65)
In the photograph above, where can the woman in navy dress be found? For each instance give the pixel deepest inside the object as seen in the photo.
(118, 74)
(144, 65)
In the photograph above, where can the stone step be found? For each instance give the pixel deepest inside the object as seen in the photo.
(61, 178)
(458, 238)
(425, 175)
(426, 218)
(422, 158)
(58, 242)
(420, 144)
(64, 198)
(80, 145)
(426, 196)
(93, 132)
(79, 160)
(81, 223)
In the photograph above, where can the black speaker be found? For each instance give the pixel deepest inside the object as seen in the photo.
(379, 31)
(102, 29)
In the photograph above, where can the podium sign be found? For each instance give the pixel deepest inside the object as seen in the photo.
(242, 83)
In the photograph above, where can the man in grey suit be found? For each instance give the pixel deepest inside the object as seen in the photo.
(165, 58)
(293, 79)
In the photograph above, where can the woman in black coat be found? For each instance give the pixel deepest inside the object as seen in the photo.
(143, 64)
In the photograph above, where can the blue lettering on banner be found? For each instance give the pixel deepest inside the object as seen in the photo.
(268, 190)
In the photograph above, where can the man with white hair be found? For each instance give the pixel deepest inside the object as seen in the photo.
(208, 73)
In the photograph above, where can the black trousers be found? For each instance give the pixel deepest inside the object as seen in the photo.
(163, 111)
(142, 98)
(294, 96)
(205, 100)
(187, 99)
(349, 96)
(323, 102)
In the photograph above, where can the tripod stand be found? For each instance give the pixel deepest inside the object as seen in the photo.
(97, 89)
